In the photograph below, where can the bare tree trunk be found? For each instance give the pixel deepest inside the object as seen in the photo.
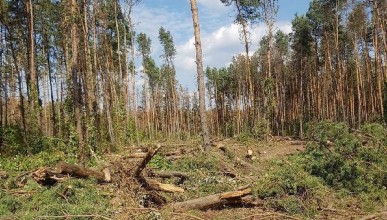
(75, 81)
(247, 67)
(379, 74)
(34, 102)
(199, 63)
(358, 82)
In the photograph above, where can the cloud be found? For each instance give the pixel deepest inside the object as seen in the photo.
(149, 20)
(220, 36)
(212, 4)
(218, 48)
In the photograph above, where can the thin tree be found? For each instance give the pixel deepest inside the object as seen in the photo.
(200, 75)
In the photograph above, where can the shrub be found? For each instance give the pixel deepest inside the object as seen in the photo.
(287, 187)
(349, 164)
(261, 129)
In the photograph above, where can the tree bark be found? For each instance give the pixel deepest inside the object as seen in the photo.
(216, 200)
(75, 81)
(200, 75)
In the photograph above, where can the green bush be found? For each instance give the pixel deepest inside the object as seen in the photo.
(347, 163)
(13, 141)
(287, 187)
(261, 129)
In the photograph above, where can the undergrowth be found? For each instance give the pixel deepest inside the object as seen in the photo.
(22, 198)
(356, 160)
(287, 187)
(37, 201)
(339, 163)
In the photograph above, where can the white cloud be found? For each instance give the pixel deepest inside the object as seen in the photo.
(212, 4)
(149, 20)
(218, 48)
(220, 37)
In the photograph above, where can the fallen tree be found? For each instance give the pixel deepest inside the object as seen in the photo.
(50, 176)
(145, 161)
(239, 197)
(149, 183)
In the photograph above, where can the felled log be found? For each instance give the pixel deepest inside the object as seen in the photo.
(155, 185)
(83, 172)
(49, 176)
(217, 200)
(146, 160)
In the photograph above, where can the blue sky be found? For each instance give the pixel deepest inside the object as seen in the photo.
(220, 36)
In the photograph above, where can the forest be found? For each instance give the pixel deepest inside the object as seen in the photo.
(293, 130)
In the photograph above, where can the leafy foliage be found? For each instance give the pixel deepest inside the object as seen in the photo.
(355, 162)
(289, 188)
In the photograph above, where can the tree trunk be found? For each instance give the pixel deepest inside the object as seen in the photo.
(33, 85)
(75, 81)
(199, 63)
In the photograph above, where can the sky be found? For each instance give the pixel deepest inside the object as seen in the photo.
(220, 36)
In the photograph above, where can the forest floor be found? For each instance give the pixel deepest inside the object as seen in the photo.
(207, 178)
(228, 166)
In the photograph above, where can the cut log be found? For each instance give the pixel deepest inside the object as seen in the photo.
(49, 176)
(155, 185)
(83, 172)
(146, 160)
(217, 200)
(235, 194)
